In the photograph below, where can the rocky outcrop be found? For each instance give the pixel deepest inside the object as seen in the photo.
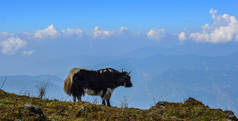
(33, 110)
(192, 101)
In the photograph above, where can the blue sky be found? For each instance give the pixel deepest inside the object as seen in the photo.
(24, 15)
(48, 30)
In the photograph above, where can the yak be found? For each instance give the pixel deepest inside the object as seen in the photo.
(100, 82)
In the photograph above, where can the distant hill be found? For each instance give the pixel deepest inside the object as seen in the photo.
(27, 85)
(15, 107)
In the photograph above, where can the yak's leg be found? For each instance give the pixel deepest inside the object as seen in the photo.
(103, 102)
(74, 98)
(79, 94)
(79, 98)
(108, 96)
(102, 96)
(108, 102)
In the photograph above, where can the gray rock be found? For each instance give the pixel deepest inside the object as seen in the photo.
(230, 114)
(161, 104)
(35, 110)
(82, 109)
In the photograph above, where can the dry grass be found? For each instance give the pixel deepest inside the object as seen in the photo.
(12, 108)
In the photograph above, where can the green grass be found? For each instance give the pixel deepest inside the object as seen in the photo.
(12, 108)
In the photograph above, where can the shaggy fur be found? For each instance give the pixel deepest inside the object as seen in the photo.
(101, 82)
(69, 80)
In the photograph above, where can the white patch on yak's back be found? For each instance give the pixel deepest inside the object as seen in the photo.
(105, 70)
(110, 70)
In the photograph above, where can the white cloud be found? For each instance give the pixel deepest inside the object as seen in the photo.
(123, 28)
(5, 35)
(28, 52)
(12, 44)
(182, 36)
(50, 32)
(223, 29)
(156, 34)
(26, 34)
(70, 32)
(99, 33)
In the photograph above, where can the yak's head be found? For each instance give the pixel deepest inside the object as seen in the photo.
(125, 79)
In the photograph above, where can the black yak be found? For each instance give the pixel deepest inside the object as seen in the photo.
(95, 82)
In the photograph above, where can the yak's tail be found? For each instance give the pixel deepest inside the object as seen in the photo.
(69, 80)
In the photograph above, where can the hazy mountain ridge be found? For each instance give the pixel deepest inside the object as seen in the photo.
(23, 84)
(187, 75)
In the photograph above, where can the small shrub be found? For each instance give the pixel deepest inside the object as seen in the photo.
(3, 83)
(41, 88)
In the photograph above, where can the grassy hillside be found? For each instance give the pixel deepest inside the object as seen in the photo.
(15, 107)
